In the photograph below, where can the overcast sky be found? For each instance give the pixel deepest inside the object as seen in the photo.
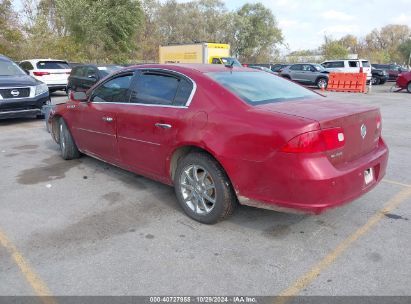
(304, 22)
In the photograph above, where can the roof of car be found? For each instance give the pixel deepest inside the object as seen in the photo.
(48, 59)
(202, 68)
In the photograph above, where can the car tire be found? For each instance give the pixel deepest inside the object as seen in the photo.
(203, 189)
(286, 77)
(321, 82)
(375, 80)
(67, 145)
(409, 87)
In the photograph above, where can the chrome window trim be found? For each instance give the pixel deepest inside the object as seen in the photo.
(31, 94)
(185, 106)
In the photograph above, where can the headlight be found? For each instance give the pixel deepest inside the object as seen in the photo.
(41, 89)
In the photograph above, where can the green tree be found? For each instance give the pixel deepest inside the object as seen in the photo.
(257, 34)
(405, 51)
(333, 49)
(10, 34)
(106, 29)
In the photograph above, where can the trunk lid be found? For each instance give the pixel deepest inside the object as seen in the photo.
(359, 124)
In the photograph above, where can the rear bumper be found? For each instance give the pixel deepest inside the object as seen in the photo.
(293, 183)
(23, 107)
(57, 86)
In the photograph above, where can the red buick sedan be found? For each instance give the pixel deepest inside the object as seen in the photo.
(223, 136)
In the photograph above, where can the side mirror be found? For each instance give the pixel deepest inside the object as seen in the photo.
(79, 96)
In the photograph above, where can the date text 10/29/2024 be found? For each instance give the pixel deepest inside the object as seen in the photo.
(203, 299)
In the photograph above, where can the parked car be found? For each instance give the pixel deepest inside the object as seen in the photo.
(20, 94)
(52, 72)
(378, 76)
(393, 70)
(223, 135)
(277, 68)
(306, 73)
(83, 77)
(348, 66)
(262, 68)
(404, 81)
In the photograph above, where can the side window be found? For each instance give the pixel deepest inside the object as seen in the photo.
(183, 92)
(306, 68)
(26, 66)
(296, 67)
(216, 61)
(338, 64)
(353, 64)
(154, 88)
(81, 71)
(114, 90)
(91, 72)
(326, 64)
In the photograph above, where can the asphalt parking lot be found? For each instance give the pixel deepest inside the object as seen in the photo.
(84, 227)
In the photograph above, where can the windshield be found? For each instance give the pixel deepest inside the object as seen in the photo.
(230, 60)
(365, 64)
(259, 88)
(106, 70)
(9, 68)
(319, 67)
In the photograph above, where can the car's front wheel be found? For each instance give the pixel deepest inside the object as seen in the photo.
(67, 145)
(409, 87)
(322, 83)
(203, 188)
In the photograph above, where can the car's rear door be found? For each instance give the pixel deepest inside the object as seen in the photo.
(147, 128)
(96, 131)
(296, 72)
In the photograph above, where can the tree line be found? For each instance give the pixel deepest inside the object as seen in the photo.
(127, 31)
(390, 44)
(130, 31)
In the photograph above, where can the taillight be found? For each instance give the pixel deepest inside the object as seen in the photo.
(40, 73)
(316, 141)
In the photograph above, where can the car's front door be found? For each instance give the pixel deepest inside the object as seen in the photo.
(96, 129)
(148, 126)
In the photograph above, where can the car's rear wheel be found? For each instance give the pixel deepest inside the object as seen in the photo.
(409, 87)
(321, 83)
(375, 80)
(67, 145)
(203, 189)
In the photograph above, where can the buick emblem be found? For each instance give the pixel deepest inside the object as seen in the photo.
(363, 131)
(15, 93)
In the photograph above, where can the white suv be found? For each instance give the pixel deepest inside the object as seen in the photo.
(52, 72)
(348, 66)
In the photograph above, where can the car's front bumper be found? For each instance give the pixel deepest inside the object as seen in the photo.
(292, 183)
(23, 107)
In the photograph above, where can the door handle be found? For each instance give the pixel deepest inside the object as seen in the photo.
(107, 118)
(163, 125)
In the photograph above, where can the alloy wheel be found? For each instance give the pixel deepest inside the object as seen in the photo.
(198, 189)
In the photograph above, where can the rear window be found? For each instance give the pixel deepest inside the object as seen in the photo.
(52, 65)
(365, 64)
(260, 88)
